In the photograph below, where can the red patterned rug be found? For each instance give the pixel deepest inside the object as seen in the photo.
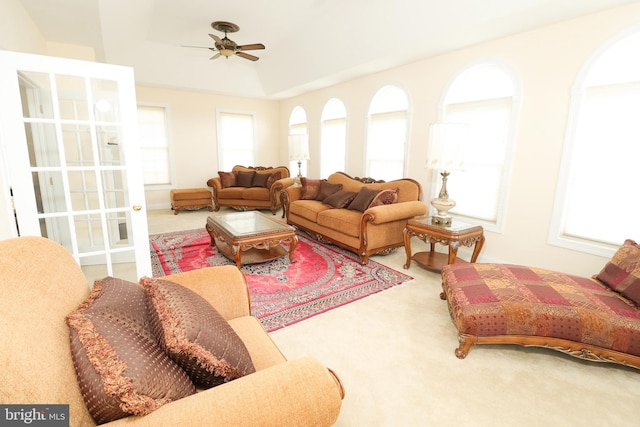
(322, 278)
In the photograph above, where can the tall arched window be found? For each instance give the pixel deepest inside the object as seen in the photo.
(482, 97)
(387, 134)
(601, 155)
(298, 126)
(333, 143)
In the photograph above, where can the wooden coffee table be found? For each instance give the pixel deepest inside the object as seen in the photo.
(455, 235)
(251, 237)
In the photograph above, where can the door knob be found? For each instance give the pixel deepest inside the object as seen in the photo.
(137, 207)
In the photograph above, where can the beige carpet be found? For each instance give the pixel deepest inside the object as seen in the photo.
(394, 352)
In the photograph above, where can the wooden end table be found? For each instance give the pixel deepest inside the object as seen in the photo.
(455, 235)
(251, 237)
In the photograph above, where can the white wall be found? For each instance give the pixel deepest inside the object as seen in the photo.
(546, 62)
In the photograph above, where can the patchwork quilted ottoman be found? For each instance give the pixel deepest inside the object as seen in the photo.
(512, 304)
(190, 198)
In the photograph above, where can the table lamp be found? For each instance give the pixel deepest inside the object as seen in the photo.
(445, 154)
(299, 150)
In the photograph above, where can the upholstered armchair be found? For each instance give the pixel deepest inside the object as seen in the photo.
(41, 284)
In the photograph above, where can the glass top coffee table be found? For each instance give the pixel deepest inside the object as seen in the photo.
(251, 237)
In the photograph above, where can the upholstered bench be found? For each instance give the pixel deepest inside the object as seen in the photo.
(512, 304)
(190, 198)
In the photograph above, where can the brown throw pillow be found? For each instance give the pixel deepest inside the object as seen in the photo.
(622, 273)
(363, 199)
(310, 188)
(260, 179)
(327, 189)
(245, 178)
(195, 335)
(385, 197)
(227, 179)
(120, 368)
(273, 178)
(340, 199)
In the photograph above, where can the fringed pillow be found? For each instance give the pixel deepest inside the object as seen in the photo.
(195, 335)
(310, 188)
(273, 178)
(622, 273)
(120, 368)
(385, 197)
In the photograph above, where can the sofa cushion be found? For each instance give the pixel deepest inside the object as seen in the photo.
(363, 199)
(195, 335)
(245, 178)
(327, 189)
(310, 188)
(273, 178)
(341, 220)
(120, 368)
(385, 197)
(256, 193)
(622, 273)
(340, 199)
(260, 180)
(228, 179)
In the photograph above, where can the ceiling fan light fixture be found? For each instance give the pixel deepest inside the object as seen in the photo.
(227, 52)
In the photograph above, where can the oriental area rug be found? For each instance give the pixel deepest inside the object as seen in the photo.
(322, 278)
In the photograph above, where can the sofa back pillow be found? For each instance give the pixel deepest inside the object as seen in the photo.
(385, 197)
(120, 368)
(195, 335)
(245, 178)
(273, 178)
(228, 179)
(622, 272)
(260, 179)
(327, 189)
(340, 199)
(363, 199)
(310, 188)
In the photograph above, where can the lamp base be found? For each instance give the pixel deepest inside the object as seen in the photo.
(442, 205)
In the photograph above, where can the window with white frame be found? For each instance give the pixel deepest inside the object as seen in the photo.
(601, 154)
(155, 149)
(333, 143)
(298, 126)
(387, 134)
(482, 97)
(236, 139)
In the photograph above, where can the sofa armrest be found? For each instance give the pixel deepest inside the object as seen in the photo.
(225, 287)
(293, 193)
(300, 392)
(215, 183)
(395, 212)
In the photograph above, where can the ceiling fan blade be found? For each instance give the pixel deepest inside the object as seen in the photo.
(216, 38)
(196, 47)
(255, 46)
(216, 56)
(247, 56)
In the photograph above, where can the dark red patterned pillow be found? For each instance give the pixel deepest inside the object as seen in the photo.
(195, 335)
(228, 179)
(273, 178)
(622, 273)
(120, 368)
(340, 199)
(385, 197)
(310, 188)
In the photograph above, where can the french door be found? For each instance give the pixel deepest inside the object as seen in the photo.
(69, 135)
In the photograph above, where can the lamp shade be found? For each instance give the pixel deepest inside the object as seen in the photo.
(299, 147)
(447, 146)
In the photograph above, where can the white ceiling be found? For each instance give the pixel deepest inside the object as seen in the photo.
(309, 43)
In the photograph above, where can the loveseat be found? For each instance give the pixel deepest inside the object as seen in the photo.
(594, 318)
(246, 188)
(360, 215)
(41, 284)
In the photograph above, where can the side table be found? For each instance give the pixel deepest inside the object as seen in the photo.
(455, 235)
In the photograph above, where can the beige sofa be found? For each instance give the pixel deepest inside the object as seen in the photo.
(376, 230)
(41, 283)
(249, 194)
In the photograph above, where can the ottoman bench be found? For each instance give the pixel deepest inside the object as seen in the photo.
(513, 304)
(190, 198)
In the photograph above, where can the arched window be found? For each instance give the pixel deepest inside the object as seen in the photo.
(387, 134)
(333, 143)
(601, 155)
(482, 97)
(298, 126)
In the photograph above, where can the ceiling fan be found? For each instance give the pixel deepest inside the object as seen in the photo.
(227, 47)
